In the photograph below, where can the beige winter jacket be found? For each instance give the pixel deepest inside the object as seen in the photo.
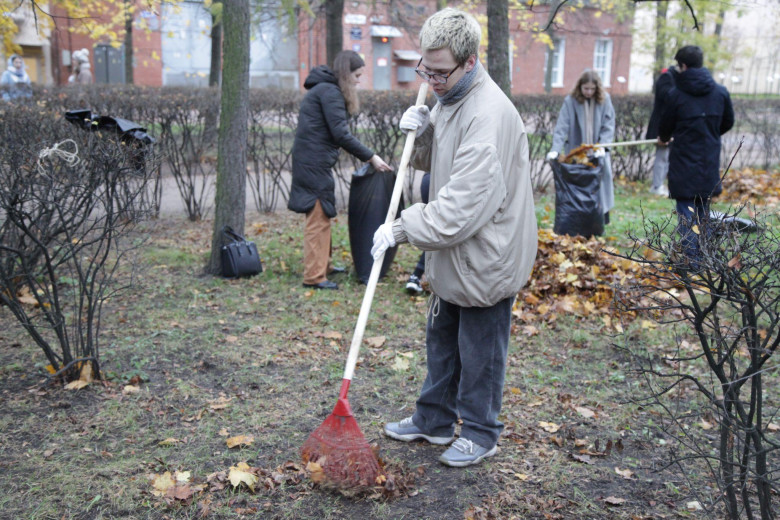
(479, 228)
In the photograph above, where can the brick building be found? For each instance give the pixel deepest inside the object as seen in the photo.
(172, 47)
(584, 39)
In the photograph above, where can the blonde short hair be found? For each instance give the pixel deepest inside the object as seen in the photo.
(453, 29)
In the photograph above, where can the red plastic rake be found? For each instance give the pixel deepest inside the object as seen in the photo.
(338, 445)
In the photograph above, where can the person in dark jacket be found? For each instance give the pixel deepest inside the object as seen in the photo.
(697, 113)
(322, 130)
(662, 86)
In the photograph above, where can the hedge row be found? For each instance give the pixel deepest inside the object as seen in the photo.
(184, 121)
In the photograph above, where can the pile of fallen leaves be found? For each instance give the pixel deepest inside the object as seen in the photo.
(573, 275)
(583, 154)
(753, 185)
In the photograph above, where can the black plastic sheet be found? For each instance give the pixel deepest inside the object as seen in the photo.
(127, 130)
(369, 200)
(578, 209)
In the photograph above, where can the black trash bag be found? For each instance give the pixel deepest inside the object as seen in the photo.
(733, 222)
(369, 200)
(578, 209)
(127, 130)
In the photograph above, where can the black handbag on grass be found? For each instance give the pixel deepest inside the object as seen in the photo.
(239, 256)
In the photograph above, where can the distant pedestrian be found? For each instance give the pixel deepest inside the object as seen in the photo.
(322, 130)
(698, 111)
(663, 85)
(587, 117)
(83, 69)
(15, 83)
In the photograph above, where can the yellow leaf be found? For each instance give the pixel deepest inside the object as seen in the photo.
(182, 476)
(131, 389)
(223, 433)
(86, 372)
(332, 334)
(521, 476)
(647, 324)
(315, 472)
(695, 229)
(220, 403)
(376, 341)
(585, 412)
(239, 440)
(170, 441)
(625, 473)
(76, 385)
(161, 483)
(239, 473)
(530, 330)
(549, 426)
(50, 369)
(772, 427)
(401, 364)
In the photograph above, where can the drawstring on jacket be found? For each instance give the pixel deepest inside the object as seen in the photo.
(433, 308)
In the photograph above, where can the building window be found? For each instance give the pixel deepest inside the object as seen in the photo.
(602, 60)
(559, 50)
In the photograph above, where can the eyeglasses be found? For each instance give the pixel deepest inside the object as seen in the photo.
(434, 76)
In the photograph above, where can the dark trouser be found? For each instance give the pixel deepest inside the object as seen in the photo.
(424, 188)
(692, 212)
(467, 350)
(420, 269)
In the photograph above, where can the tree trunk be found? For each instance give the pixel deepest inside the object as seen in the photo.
(128, 43)
(550, 51)
(661, 8)
(334, 32)
(498, 43)
(230, 199)
(215, 71)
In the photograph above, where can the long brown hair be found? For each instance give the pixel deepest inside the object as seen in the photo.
(588, 76)
(344, 64)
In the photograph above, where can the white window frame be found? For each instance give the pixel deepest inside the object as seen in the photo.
(559, 52)
(602, 51)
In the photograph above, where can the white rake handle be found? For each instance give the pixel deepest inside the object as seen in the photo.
(365, 308)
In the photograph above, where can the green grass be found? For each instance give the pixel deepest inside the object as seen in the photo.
(262, 343)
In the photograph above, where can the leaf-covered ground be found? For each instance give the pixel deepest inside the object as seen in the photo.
(212, 386)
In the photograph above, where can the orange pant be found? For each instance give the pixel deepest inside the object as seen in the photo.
(316, 246)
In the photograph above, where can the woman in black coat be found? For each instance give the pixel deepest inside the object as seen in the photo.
(322, 130)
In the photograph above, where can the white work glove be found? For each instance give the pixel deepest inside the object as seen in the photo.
(383, 240)
(415, 118)
(552, 156)
(599, 152)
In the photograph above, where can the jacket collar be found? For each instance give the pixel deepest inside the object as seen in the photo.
(447, 111)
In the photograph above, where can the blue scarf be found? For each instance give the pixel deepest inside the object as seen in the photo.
(461, 88)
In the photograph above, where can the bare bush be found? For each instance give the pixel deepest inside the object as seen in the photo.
(272, 121)
(187, 120)
(66, 204)
(729, 309)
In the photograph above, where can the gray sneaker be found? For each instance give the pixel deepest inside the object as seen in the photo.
(464, 452)
(406, 431)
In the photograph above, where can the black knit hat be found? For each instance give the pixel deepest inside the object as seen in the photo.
(355, 61)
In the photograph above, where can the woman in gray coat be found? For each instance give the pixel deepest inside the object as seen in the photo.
(587, 117)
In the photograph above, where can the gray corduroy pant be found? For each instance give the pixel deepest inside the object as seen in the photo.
(467, 351)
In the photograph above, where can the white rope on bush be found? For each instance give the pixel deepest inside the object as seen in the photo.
(70, 158)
